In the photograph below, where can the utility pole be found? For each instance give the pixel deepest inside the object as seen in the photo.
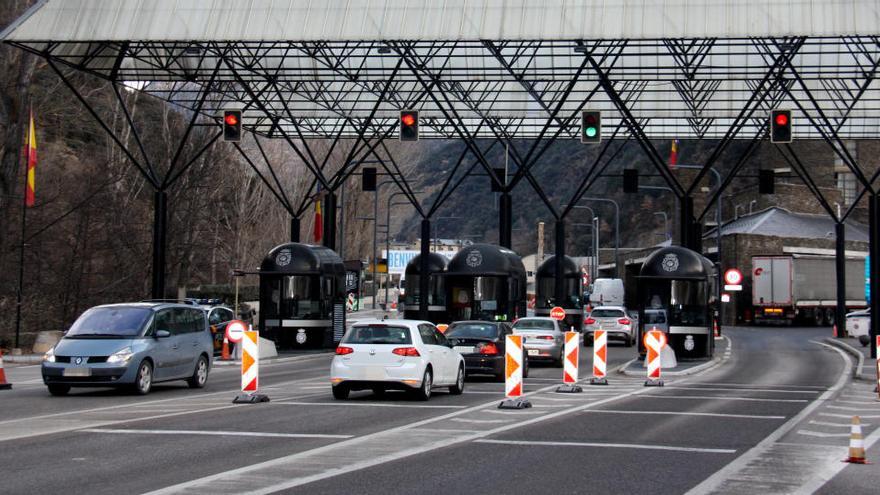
(539, 257)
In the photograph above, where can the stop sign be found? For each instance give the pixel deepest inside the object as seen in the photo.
(557, 313)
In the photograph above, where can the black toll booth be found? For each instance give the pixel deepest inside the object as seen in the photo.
(485, 282)
(676, 287)
(436, 288)
(302, 296)
(545, 292)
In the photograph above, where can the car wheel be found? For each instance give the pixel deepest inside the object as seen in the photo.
(458, 388)
(588, 341)
(864, 340)
(143, 381)
(424, 392)
(525, 371)
(200, 375)
(59, 390)
(560, 361)
(630, 341)
(378, 391)
(340, 392)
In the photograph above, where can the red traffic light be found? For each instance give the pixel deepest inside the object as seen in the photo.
(781, 119)
(231, 119)
(408, 119)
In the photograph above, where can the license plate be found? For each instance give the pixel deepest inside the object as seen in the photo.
(462, 349)
(534, 352)
(77, 372)
(375, 374)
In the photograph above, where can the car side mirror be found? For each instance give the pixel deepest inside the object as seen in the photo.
(161, 334)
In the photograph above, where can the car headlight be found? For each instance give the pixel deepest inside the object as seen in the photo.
(122, 356)
(49, 357)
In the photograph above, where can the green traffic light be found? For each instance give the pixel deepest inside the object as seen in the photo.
(590, 131)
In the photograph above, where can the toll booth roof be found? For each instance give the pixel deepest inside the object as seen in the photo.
(436, 264)
(548, 268)
(486, 259)
(676, 263)
(302, 259)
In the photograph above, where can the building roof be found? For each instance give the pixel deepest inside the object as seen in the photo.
(683, 67)
(779, 222)
(473, 20)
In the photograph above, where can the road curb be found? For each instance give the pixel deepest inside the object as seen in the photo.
(716, 361)
(274, 360)
(857, 368)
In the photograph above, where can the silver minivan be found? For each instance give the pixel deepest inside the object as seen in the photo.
(131, 345)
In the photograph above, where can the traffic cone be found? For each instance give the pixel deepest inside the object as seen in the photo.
(834, 331)
(716, 329)
(4, 385)
(856, 443)
(224, 354)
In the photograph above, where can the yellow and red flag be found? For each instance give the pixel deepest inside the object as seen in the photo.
(319, 221)
(673, 154)
(30, 191)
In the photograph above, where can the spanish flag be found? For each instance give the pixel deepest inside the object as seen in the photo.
(673, 154)
(319, 221)
(30, 190)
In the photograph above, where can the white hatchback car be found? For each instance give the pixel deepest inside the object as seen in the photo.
(406, 355)
(614, 320)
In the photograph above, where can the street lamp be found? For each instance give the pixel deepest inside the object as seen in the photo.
(616, 231)
(595, 221)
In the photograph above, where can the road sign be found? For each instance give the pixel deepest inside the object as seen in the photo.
(443, 327)
(733, 288)
(725, 297)
(557, 313)
(733, 277)
(235, 331)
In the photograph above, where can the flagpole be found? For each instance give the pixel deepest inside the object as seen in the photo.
(19, 295)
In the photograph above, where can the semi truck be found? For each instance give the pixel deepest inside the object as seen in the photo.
(802, 289)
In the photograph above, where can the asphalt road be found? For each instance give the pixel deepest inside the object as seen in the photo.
(703, 432)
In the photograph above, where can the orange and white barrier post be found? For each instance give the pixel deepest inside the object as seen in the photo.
(250, 370)
(655, 341)
(856, 443)
(571, 355)
(513, 374)
(4, 385)
(600, 357)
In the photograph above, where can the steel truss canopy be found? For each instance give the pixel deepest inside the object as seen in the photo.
(681, 68)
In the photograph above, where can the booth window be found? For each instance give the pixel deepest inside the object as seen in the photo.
(295, 296)
(486, 295)
(687, 305)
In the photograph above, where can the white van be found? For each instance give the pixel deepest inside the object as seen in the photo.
(607, 292)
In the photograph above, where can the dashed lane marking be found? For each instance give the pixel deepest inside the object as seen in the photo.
(863, 416)
(214, 433)
(815, 387)
(820, 434)
(714, 397)
(850, 408)
(610, 445)
(479, 421)
(683, 413)
(838, 425)
(722, 389)
(364, 404)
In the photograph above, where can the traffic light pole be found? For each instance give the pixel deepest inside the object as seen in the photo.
(160, 216)
(559, 262)
(505, 220)
(840, 265)
(424, 268)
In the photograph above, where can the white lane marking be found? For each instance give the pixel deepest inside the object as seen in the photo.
(713, 397)
(752, 385)
(363, 404)
(820, 434)
(713, 483)
(516, 413)
(839, 425)
(500, 392)
(850, 408)
(448, 430)
(479, 421)
(849, 416)
(682, 413)
(723, 389)
(867, 402)
(214, 433)
(610, 445)
(550, 406)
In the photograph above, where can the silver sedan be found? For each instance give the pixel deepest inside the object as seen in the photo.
(543, 339)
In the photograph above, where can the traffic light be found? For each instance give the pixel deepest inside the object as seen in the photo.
(232, 125)
(780, 126)
(368, 179)
(630, 180)
(409, 125)
(766, 182)
(591, 127)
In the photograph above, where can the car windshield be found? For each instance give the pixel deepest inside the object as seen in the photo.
(533, 325)
(473, 330)
(110, 322)
(607, 313)
(377, 334)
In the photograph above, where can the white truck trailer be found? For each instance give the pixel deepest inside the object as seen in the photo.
(802, 289)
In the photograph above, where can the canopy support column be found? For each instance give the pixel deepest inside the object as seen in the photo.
(840, 265)
(294, 229)
(505, 221)
(330, 221)
(559, 265)
(874, 267)
(160, 216)
(424, 269)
